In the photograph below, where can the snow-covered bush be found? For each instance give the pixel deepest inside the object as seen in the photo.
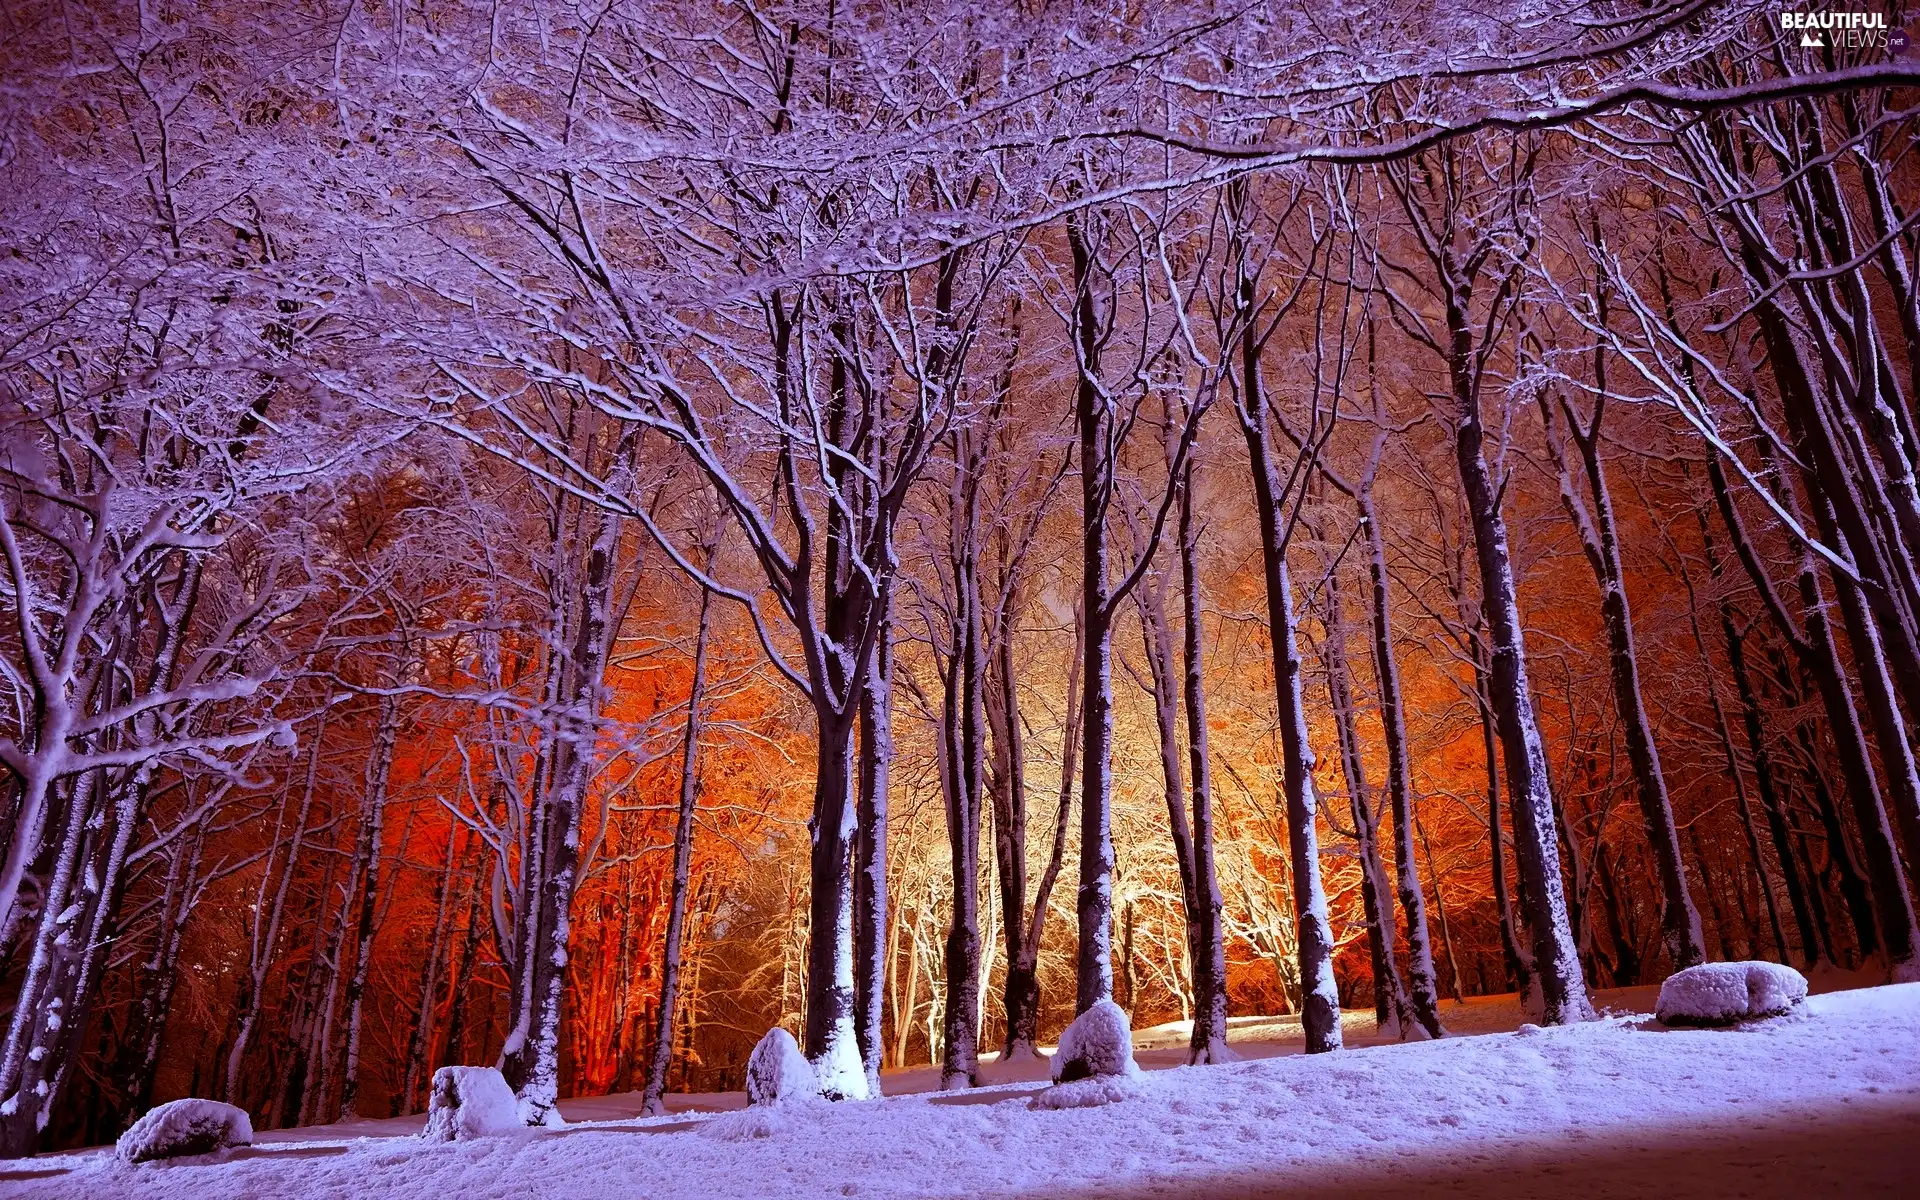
(470, 1102)
(1098, 1043)
(1723, 993)
(182, 1127)
(777, 1073)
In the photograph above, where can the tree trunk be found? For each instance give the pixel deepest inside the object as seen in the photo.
(1007, 788)
(1556, 961)
(51, 1011)
(1209, 1041)
(149, 1025)
(964, 744)
(420, 1044)
(832, 1042)
(1393, 1012)
(379, 769)
(653, 1103)
(1023, 979)
(1393, 722)
(870, 886)
(454, 1051)
(1320, 998)
(1514, 950)
(265, 942)
(1093, 972)
(1599, 538)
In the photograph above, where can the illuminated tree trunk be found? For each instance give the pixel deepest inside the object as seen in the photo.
(314, 1041)
(372, 829)
(1890, 922)
(147, 1029)
(1150, 599)
(1093, 970)
(1747, 825)
(963, 722)
(870, 885)
(1556, 963)
(1599, 539)
(1893, 900)
(1393, 722)
(420, 1042)
(652, 1103)
(68, 942)
(1007, 789)
(453, 1052)
(265, 929)
(574, 763)
(1022, 985)
(1393, 1013)
(1514, 949)
(1319, 995)
(1209, 1040)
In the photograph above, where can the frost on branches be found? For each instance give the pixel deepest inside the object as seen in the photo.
(423, 430)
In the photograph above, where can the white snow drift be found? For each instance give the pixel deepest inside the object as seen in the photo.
(183, 1127)
(1099, 1043)
(777, 1073)
(1723, 993)
(470, 1102)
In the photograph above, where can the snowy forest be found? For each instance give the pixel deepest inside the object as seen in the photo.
(563, 536)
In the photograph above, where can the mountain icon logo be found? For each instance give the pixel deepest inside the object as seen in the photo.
(1810, 38)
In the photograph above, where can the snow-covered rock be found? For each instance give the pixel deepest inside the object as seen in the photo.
(470, 1102)
(182, 1127)
(777, 1073)
(1723, 993)
(1098, 1043)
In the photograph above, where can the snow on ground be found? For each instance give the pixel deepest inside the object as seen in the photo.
(1824, 1100)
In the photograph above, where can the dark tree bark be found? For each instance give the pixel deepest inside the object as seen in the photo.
(870, 885)
(159, 974)
(1556, 962)
(1093, 970)
(1209, 1041)
(1007, 788)
(372, 830)
(1600, 540)
(1100, 431)
(1433, 194)
(1393, 720)
(1320, 999)
(1890, 922)
(1514, 950)
(453, 1052)
(1393, 1012)
(963, 744)
(420, 1042)
(264, 939)
(652, 1102)
(1022, 980)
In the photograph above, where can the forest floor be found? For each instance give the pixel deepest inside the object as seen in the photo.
(1824, 1101)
